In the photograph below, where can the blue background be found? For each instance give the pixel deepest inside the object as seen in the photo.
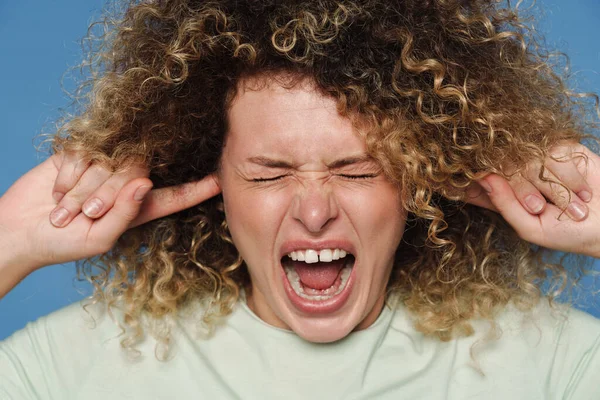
(39, 40)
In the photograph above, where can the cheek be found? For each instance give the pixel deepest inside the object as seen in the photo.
(253, 217)
(376, 213)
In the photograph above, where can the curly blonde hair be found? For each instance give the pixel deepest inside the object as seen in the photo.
(451, 89)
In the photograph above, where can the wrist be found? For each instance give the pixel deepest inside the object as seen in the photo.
(14, 265)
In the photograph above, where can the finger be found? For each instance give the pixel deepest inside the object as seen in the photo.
(508, 205)
(166, 201)
(70, 205)
(565, 167)
(106, 230)
(585, 160)
(557, 193)
(71, 168)
(103, 198)
(547, 229)
(476, 195)
(529, 196)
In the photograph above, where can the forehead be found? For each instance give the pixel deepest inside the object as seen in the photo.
(267, 116)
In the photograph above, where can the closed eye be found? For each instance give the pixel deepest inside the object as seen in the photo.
(357, 177)
(345, 176)
(273, 179)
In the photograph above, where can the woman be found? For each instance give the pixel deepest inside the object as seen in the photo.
(346, 197)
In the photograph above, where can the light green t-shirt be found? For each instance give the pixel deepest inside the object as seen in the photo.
(538, 356)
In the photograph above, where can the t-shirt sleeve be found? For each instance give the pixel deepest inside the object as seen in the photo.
(22, 365)
(576, 369)
(48, 357)
(585, 381)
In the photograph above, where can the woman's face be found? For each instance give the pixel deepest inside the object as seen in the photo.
(297, 184)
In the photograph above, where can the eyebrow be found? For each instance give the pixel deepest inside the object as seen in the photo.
(342, 162)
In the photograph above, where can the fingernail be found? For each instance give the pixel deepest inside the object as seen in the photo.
(59, 216)
(141, 192)
(486, 186)
(577, 211)
(92, 207)
(58, 196)
(585, 195)
(534, 203)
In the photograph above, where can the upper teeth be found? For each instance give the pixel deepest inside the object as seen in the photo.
(312, 256)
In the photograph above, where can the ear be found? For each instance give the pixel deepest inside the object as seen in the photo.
(217, 177)
(477, 195)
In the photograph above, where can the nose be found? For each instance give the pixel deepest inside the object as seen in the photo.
(315, 207)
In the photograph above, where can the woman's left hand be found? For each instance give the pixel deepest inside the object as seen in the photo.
(534, 207)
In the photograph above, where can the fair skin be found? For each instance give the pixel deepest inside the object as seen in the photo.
(295, 175)
(29, 241)
(315, 202)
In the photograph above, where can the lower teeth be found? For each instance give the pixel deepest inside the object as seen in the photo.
(326, 294)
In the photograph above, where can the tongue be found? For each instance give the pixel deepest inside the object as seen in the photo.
(320, 275)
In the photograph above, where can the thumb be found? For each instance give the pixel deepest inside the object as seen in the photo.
(127, 206)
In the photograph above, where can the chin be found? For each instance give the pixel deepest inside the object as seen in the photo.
(319, 309)
(323, 331)
(328, 327)
(321, 291)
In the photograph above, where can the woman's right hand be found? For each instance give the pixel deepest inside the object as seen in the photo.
(33, 235)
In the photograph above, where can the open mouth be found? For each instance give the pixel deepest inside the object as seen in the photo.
(318, 275)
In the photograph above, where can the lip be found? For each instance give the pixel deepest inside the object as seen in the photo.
(295, 245)
(319, 306)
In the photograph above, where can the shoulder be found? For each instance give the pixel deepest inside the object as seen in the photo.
(73, 325)
(546, 332)
(62, 336)
(560, 346)
(566, 342)
(549, 351)
(55, 351)
(551, 324)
